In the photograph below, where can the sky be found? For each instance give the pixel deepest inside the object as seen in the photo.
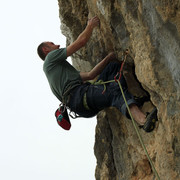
(33, 146)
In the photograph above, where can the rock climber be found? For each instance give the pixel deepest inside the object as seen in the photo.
(71, 87)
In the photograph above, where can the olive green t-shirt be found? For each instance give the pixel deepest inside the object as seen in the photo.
(61, 75)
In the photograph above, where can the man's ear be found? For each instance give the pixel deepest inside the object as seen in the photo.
(45, 49)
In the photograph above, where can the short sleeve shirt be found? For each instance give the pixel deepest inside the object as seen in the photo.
(61, 75)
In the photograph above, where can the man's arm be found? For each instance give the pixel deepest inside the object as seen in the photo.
(83, 37)
(98, 68)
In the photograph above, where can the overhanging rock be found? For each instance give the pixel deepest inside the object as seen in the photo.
(150, 29)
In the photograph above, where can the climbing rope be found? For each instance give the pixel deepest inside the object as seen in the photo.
(119, 74)
(138, 134)
(134, 124)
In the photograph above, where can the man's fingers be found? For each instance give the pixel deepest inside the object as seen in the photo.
(94, 20)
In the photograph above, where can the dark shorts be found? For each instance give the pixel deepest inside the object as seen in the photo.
(96, 100)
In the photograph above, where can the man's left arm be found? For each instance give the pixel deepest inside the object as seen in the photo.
(85, 76)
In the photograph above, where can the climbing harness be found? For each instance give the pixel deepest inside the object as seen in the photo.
(117, 80)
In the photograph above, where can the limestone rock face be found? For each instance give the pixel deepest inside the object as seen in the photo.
(150, 29)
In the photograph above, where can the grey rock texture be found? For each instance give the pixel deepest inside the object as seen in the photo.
(150, 29)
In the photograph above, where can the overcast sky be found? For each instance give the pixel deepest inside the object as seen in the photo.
(33, 146)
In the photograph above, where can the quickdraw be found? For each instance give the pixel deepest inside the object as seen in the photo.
(119, 74)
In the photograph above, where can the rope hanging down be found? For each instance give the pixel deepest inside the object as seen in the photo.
(138, 134)
(119, 74)
(134, 124)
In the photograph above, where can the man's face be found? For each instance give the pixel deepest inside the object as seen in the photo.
(51, 46)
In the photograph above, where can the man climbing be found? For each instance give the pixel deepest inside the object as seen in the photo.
(85, 99)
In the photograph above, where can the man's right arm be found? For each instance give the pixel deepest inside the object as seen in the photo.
(85, 76)
(83, 37)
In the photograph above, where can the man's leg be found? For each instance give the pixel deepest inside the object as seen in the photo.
(147, 122)
(137, 114)
(96, 99)
(76, 103)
